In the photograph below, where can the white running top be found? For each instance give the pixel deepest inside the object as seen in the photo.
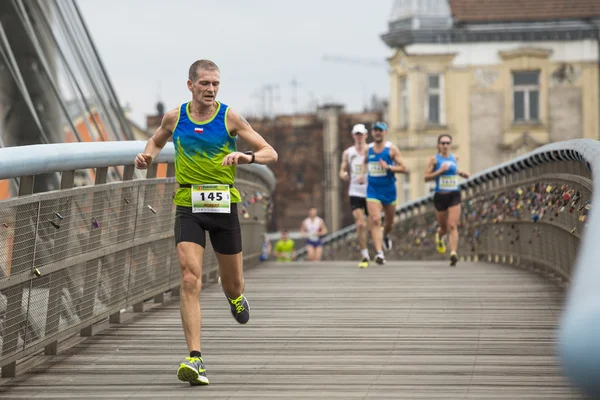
(355, 161)
(312, 227)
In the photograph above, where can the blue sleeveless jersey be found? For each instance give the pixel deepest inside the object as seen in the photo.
(381, 182)
(448, 181)
(377, 176)
(200, 147)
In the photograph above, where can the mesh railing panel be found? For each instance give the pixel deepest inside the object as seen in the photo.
(72, 257)
(13, 305)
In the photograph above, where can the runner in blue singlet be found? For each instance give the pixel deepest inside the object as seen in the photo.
(383, 160)
(443, 169)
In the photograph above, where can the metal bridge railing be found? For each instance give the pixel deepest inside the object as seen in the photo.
(75, 256)
(533, 211)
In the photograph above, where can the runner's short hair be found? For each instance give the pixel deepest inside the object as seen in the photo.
(206, 65)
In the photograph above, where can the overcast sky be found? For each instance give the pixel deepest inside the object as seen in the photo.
(147, 47)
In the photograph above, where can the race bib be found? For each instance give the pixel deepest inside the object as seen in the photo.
(313, 236)
(211, 199)
(357, 168)
(375, 169)
(448, 182)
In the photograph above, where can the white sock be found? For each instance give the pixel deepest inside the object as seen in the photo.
(364, 253)
(380, 254)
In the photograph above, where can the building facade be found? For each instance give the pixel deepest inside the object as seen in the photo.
(502, 77)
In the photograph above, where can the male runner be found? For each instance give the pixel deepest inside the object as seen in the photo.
(204, 133)
(284, 248)
(382, 162)
(352, 160)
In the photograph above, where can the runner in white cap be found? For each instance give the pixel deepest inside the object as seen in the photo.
(352, 160)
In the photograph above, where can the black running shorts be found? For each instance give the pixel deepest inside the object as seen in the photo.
(224, 229)
(358, 203)
(443, 201)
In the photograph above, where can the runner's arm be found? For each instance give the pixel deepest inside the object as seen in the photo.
(276, 251)
(263, 152)
(363, 169)
(323, 229)
(303, 229)
(160, 138)
(430, 174)
(344, 174)
(293, 250)
(397, 157)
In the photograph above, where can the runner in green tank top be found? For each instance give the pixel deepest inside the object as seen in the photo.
(204, 134)
(284, 248)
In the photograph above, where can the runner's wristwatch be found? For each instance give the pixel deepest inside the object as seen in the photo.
(250, 153)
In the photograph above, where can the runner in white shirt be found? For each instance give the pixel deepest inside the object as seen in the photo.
(313, 228)
(352, 160)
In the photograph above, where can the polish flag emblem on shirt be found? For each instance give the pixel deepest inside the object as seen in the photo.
(199, 130)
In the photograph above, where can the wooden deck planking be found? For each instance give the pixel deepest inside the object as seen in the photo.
(408, 330)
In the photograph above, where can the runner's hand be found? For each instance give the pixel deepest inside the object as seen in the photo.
(345, 176)
(445, 167)
(236, 158)
(142, 160)
(383, 164)
(361, 179)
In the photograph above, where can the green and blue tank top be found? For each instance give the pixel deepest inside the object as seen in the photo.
(200, 147)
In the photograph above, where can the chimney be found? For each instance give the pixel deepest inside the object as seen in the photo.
(330, 115)
(154, 121)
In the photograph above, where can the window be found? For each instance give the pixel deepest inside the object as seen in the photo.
(526, 96)
(434, 112)
(404, 102)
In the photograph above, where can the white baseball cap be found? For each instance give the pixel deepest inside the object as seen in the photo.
(359, 128)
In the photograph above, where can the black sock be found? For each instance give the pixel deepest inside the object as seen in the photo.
(195, 354)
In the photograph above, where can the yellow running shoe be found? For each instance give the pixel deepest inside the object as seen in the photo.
(439, 244)
(364, 263)
(192, 370)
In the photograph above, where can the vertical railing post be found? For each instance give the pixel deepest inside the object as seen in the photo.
(141, 271)
(126, 212)
(90, 283)
(58, 278)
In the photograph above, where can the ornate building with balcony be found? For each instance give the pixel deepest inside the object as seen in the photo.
(502, 77)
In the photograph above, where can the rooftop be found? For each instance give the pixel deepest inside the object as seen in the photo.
(474, 11)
